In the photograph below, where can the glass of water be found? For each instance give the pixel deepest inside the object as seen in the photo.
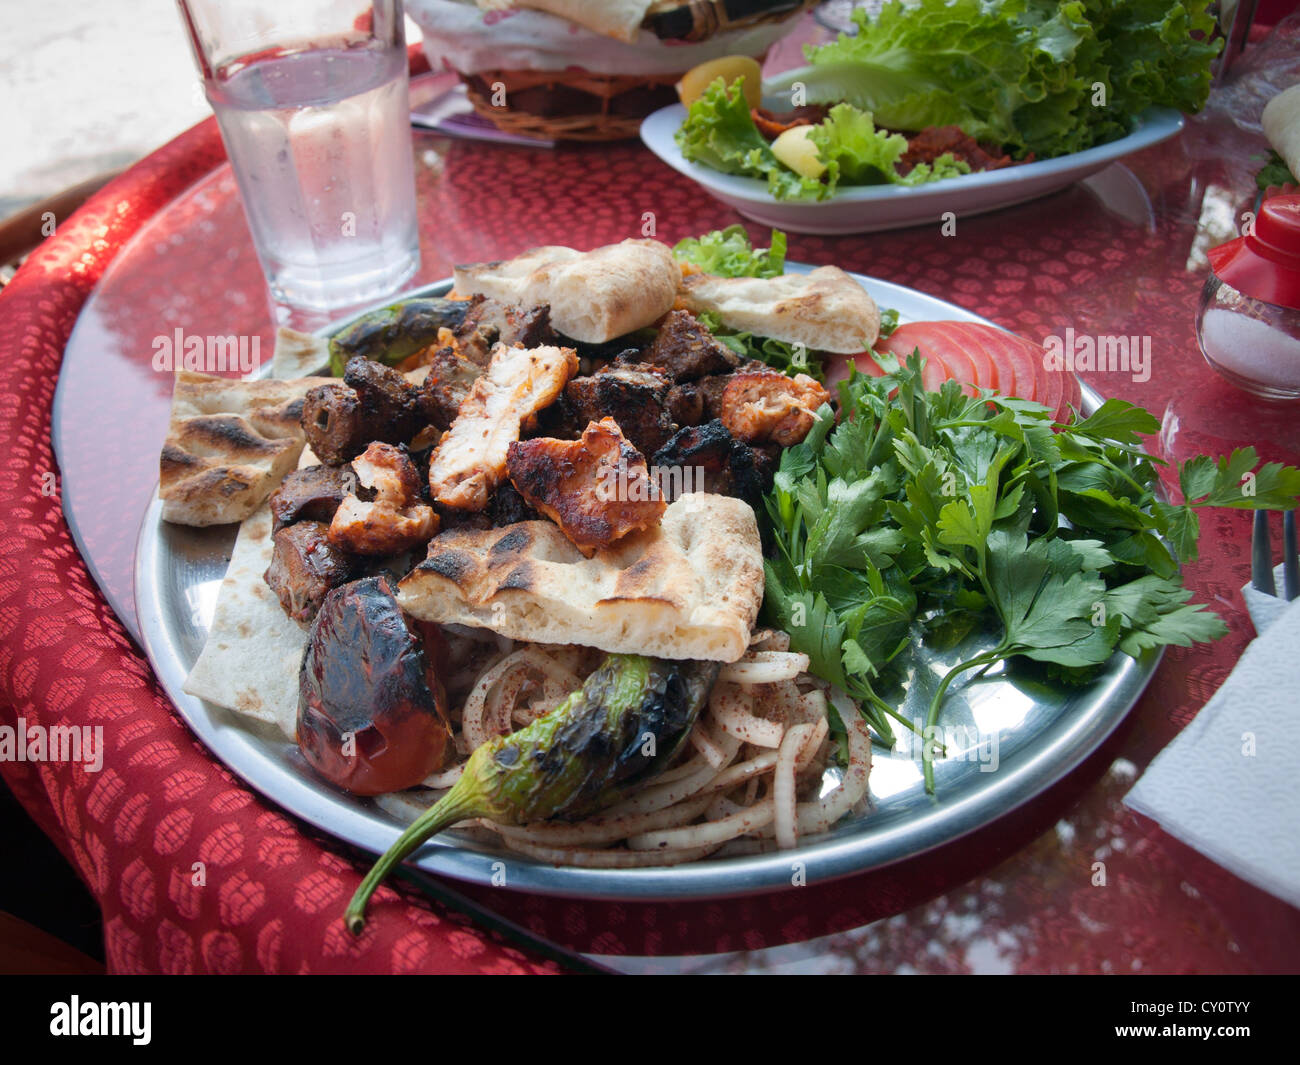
(311, 97)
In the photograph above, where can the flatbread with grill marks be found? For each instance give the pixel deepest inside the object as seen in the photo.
(690, 588)
(228, 445)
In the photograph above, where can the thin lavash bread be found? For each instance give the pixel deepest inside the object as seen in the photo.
(229, 443)
(594, 296)
(250, 661)
(825, 310)
(690, 588)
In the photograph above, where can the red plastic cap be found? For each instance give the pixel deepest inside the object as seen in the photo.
(1265, 263)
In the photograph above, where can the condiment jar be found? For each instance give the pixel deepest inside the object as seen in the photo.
(1248, 325)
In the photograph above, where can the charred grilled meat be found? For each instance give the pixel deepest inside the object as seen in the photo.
(707, 458)
(634, 396)
(489, 322)
(450, 378)
(373, 403)
(684, 350)
(311, 494)
(762, 406)
(597, 489)
(397, 519)
(372, 710)
(305, 567)
(471, 459)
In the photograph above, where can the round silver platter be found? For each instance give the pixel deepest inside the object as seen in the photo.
(1039, 733)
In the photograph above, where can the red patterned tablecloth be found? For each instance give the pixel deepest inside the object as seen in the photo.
(166, 245)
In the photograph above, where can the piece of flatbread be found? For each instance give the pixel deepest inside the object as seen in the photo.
(228, 445)
(825, 310)
(298, 354)
(251, 659)
(689, 588)
(594, 296)
(614, 18)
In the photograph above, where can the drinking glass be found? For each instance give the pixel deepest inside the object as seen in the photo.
(311, 98)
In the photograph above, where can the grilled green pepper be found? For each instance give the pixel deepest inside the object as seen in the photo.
(624, 725)
(394, 333)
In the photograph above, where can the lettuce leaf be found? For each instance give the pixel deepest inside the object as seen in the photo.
(728, 253)
(1046, 77)
(719, 132)
(856, 153)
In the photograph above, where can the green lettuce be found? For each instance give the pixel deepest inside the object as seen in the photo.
(857, 153)
(728, 253)
(1046, 77)
(719, 132)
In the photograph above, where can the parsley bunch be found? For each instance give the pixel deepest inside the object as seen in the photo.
(920, 511)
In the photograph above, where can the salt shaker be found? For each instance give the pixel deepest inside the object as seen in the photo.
(1248, 325)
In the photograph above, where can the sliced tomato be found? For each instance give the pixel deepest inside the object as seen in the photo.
(935, 348)
(982, 370)
(997, 359)
(1073, 396)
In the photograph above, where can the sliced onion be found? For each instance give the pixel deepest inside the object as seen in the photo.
(783, 799)
(610, 859)
(764, 667)
(603, 829)
(709, 750)
(444, 778)
(769, 640)
(730, 707)
(711, 833)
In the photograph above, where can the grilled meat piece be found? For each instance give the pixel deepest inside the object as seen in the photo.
(374, 402)
(489, 322)
(759, 406)
(636, 397)
(707, 458)
(396, 520)
(695, 402)
(305, 566)
(684, 350)
(311, 494)
(450, 378)
(596, 489)
(331, 421)
(508, 507)
(471, 460)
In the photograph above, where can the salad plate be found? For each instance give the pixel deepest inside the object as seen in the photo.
(1009, 735)
(872, 208)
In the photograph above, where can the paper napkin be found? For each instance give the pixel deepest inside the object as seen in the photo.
(1229, 784)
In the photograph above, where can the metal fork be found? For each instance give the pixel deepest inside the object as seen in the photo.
(1261, 557)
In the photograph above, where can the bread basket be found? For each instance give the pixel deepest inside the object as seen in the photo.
(538, 74)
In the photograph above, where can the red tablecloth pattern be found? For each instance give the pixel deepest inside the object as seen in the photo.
(194, 872)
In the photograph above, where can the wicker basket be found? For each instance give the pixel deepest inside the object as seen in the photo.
(578, 105)
(569, 105)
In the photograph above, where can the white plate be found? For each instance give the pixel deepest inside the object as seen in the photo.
(870, 208)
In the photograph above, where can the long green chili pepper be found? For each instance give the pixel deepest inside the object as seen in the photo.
(394, 333)
(624, 725)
